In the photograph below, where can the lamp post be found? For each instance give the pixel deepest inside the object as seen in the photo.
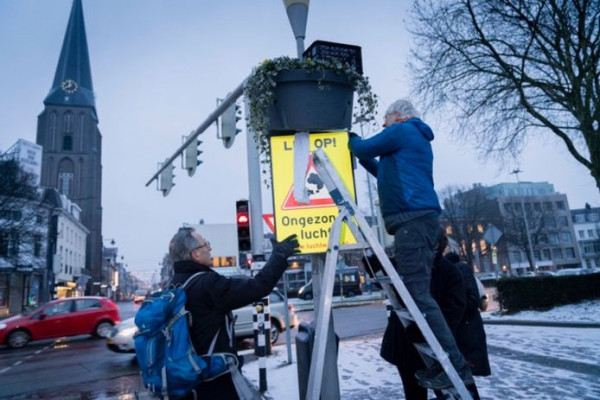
(297, 12)
(516, 172)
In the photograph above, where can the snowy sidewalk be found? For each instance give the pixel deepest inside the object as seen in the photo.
(542, 363)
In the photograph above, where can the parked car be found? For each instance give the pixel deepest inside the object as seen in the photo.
(120, 339)
(350, 286)
(574, 271)
(64, 317)
(140, 295)
(545, 273)
(486, 276)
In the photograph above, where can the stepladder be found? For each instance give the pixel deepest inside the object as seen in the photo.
(401, 302)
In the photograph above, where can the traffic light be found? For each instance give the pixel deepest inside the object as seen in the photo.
(165, 181)
(229, 127)
(190, 156)
(242, 220)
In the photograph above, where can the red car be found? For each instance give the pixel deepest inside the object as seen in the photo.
(64, 317)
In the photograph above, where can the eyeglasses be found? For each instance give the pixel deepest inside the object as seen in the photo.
(206, 244)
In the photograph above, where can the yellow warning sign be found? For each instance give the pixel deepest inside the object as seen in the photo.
(310, 221)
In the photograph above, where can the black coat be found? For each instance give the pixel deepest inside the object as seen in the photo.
(210, 298)
(447, 289)
(470, 335)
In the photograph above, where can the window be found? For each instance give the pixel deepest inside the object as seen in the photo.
(547, 206)
(67, 143)
(591, 233)
(593, 217)
(546, 254)
(536, 254)
(581, 234)
(62, 307)
(537, 207)
(508, 207)
(64, 182)
(549, 222)
(562, 221)
(579, 218)
(515, 256)
(557, 254)
(588, 263)
(570, 253)
(565, 237)
(4, 241)
(37, 245)
(87, 304)
(560, 205)
(553, 238)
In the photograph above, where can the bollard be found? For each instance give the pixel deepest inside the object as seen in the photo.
(304, 345)
(262, 327)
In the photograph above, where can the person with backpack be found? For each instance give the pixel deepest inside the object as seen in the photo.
(211, 298)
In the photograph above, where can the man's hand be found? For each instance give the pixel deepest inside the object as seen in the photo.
(287, 247)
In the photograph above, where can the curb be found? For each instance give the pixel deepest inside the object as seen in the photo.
(555, 324)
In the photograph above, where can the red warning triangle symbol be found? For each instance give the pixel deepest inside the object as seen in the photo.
(317, 192)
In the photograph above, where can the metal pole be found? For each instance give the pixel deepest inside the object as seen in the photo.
(229, 100)
(254, 190)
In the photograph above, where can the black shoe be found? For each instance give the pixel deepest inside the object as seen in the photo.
(442, 381)
(430, 372)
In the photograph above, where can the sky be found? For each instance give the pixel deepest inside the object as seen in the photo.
(523, 364)
(158, 67)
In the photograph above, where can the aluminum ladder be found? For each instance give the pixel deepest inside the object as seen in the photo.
(355, 221)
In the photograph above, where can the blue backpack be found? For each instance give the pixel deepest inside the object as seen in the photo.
(166, 357)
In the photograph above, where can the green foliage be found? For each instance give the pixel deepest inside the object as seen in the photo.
(260, 92)
(538, 293)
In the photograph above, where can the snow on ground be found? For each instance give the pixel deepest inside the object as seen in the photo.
(542, 363)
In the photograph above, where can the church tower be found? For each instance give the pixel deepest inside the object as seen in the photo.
(72, 144)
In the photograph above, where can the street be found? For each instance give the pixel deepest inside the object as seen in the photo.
(68, 366)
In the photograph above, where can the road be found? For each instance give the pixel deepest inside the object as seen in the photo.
(68, 368)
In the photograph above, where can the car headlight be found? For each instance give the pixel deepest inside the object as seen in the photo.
(2, 326)
(128, 331)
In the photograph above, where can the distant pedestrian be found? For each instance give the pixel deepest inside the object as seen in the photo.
(211, 298)
(401, 158)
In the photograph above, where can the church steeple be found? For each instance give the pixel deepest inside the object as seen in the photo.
(72, 84)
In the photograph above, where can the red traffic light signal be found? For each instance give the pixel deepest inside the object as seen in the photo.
(242, 221)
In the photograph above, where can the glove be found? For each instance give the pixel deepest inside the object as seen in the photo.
(287, 247)
(352, 135)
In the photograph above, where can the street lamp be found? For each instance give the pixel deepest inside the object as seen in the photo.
(516, 172)
(297, 12)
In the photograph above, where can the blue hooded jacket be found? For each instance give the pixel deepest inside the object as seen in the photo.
(404, 170)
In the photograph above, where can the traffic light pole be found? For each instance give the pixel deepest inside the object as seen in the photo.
(229, 100)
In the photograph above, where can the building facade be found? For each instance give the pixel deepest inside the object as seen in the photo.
(72, 144)
(67, 246)
(586, 223)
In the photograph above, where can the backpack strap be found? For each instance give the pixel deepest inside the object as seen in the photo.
(191, 278)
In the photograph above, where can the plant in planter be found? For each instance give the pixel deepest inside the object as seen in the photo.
(261, 87)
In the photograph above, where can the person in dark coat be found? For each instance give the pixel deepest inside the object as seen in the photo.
(449, 291)
(211, 297)
(470, 335)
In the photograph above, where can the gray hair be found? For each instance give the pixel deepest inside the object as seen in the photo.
(182, 244)
(404, 108)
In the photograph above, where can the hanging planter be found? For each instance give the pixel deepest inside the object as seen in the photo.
(287, 95)
(311, 101)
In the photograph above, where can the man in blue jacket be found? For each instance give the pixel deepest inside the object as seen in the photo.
(401, 159)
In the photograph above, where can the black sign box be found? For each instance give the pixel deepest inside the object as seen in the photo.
(322, 50)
